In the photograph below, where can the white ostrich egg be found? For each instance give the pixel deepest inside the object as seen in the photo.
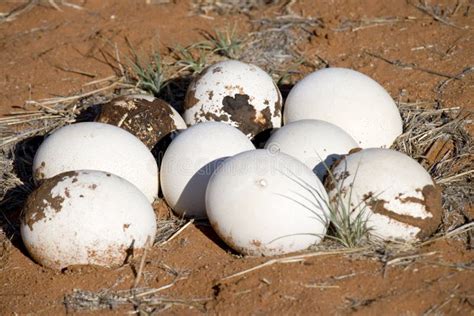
(264, 203)
(350, 100)
(315, 143)
(396, 195)
(190, 160)
(86, 218)
(236, 93)
(98, 146)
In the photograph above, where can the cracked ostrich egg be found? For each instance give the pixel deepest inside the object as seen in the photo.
(350, 100)
(190, 160)
(98, 146)
(86, 217)
(318, 144)
(394, 193)
(264, 203)
(148, 118)
(236, 93)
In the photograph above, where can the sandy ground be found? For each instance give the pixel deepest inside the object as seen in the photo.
(415, 56)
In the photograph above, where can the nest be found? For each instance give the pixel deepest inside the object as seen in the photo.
(434, 137)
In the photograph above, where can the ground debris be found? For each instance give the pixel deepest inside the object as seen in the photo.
(438, 140)
(141, 300)
(274, 44)
(205, 7)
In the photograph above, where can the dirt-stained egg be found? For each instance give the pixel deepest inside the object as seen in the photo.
(190, 160)
(236, 93)
(148, 118)
(86, 218)
(318, 144)
(98, 146)
(390, 190)
(264, 203)
(350, 100)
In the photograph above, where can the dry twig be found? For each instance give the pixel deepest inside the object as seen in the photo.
(296, 258)
(413, 66)
(143, 300)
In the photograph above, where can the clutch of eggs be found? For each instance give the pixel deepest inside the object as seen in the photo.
(98, 146)
(86, 217)
(394, 193)
(236, 93)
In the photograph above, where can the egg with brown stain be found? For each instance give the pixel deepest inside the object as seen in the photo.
(236, 93)
(390, 191)
(148, 118)
(86, 218)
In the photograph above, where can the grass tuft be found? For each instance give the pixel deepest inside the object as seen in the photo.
(193, 58)
(150, 76)
(346, 229)
(348, 222)
(227, 43)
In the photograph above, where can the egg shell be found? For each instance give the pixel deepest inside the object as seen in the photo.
(318, 144)
(395, 193)
(263, 203)
(86, 218)
(350, 100)
(98, 146)
(190, 160)
(148, 118)
(236, 93)
(178, 120)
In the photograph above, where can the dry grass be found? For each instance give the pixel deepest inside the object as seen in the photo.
(274, 45)
(365, 23)
(143, 300)
(205, 7)
(438, 12)
(296, 258)
(30, 4)
(438, 140)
